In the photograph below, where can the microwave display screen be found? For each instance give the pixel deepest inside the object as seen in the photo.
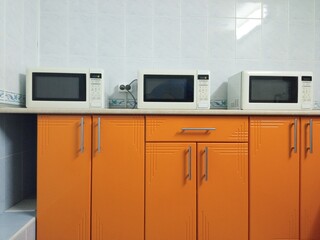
(273, 89)
(59, 87)
(168, 88)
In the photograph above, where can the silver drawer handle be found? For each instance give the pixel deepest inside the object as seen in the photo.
(198, 129)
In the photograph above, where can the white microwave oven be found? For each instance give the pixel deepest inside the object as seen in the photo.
(174, 89)
(270, 90)
(64, 88)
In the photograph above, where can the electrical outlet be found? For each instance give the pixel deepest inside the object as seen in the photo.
(124, 88)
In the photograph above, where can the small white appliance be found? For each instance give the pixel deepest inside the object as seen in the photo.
(64, 88)
(271, 90)
(174, 89)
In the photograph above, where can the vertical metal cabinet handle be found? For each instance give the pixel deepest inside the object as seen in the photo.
(99, 134)
(189, 162)
(206, 163)
(82, 135)
(295, 125)
(311, 135)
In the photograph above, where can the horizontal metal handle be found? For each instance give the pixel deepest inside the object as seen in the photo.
(198, 129)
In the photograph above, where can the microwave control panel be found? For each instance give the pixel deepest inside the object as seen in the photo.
(306, 93)
(203, 83)
(96, 90)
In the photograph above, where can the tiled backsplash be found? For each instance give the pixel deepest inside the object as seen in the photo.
(224, 36)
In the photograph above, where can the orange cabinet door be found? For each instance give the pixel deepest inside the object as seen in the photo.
(223, 191)
(63, 177)
(170, 191)
(310, 179)
(274, 178)
(118, 178)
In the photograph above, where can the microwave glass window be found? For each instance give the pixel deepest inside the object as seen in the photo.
(59, 87)
(168, 88)
(273, 89)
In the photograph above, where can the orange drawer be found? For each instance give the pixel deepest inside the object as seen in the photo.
(197, 128)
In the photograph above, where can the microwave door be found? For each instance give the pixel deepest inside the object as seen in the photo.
(273, 89)
(164, 88)
(59, 87)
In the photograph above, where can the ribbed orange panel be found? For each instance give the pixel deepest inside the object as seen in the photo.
(118, 178)
(170, 194)
(64, 177)
(221, 128)
(274, 178)
(310, 179)
(223, 193)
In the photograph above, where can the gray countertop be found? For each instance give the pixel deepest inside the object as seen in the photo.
(21, 110)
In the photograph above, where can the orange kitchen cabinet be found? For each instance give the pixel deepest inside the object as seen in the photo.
(310, 179)
(222, 191)
(274, 178)
(170, 191)
(63, 177)
(196, 178)
(118, 178)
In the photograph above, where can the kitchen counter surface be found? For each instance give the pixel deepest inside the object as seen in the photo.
(16, 110)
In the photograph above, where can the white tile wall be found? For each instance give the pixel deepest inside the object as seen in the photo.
(19, 34)
(224, 36)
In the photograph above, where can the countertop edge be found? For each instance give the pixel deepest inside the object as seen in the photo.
(21, 110)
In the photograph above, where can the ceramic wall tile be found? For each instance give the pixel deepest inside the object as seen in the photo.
(317, 40)
(2, 185)
(301, 40)
(317, 9)
(222, 8)
(139, 37)
(275, 9)
(83, 33)
(248, 9)
(248, 38)
(13, 128)
(111, 32)
(139, 7)
(54, 60)
(83, 6)
(13, 180)
(275, 36)
(166, 37)
(194, 35)
(168, 8)
(31, 34)
(302, 10)
(112, 7)
(114, 74)
(57, 6)
(2, 43)
(221, 41)
(194, 8)
(54, 35)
